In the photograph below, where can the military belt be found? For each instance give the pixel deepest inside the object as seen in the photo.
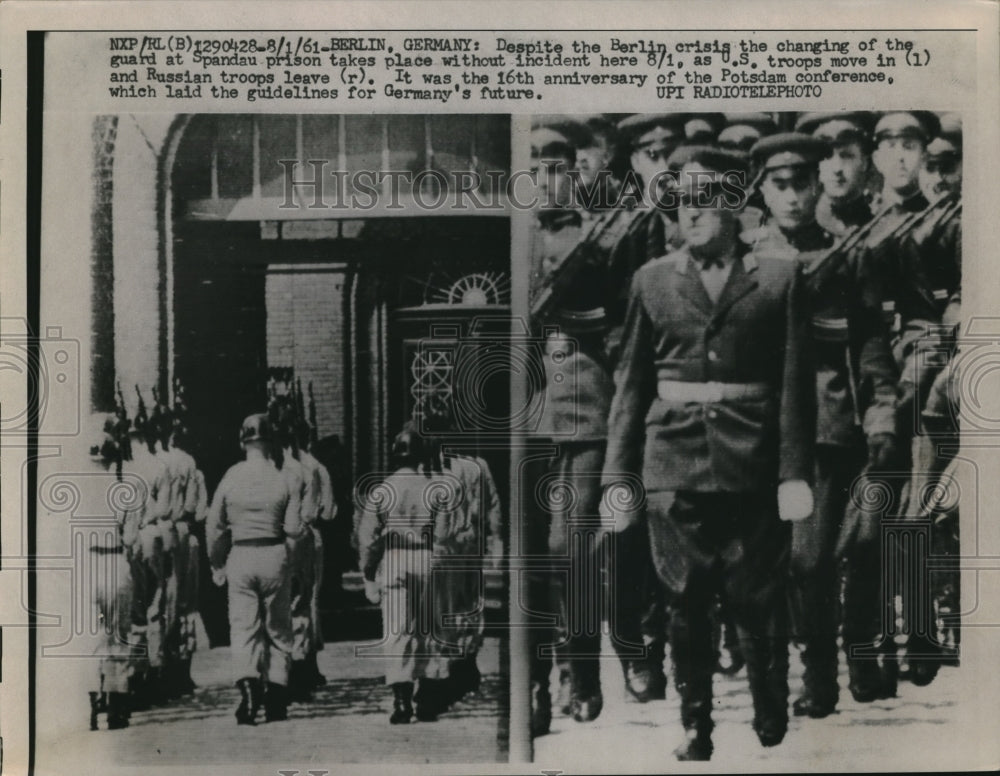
(266, 542)
(829, 329)
(709, 393)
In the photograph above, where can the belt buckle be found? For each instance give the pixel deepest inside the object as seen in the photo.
(713, 393)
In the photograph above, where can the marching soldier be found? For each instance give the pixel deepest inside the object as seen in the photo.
(187, 556)
(843, 203)
(855, 380)
(145, 530)
(327, 510)
(177, 634)
(113, 598)
(467, 526)
(637, 609)
(256, 512)
(901, 139)
(396, 534)
(933, 249)
(712, 409)
(574, 417)
(302, 562)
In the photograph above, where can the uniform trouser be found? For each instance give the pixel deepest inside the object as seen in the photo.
(303, 573)
(149, 567)
(113, 598)
(317, 625)
(704, 544)
(408, 613)
(636, 605)
(815, 578)
(260, 622)
(182, 594)
(564, 526)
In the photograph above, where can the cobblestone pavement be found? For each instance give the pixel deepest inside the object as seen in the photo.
(347, 722)
(919, 727)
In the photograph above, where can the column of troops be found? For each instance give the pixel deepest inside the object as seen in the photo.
(423, 535)
(262, 538)
(749, 332)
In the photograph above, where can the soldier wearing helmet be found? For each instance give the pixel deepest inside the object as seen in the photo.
(252, 525)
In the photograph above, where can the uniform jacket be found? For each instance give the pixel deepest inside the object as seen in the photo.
(855, 374)
(579, 366)
(254, 501)
(753, 333)
(838, 218)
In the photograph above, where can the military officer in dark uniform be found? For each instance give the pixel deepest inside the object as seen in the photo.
(855, 380)
(896, 245)
(636, 613)
(843, 203)
(712, 408)
(574, 424)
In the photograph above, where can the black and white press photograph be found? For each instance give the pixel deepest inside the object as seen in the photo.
(498, 388)
(758, 314)
(299, 418)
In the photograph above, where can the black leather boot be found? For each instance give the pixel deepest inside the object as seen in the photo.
(767, 671)
(98, 703)
(250, 700)
(865, 679)
(587, 700)
(541, 709)
(299, 686)
(118, 712)
(402, 703)
(697, 746)
(275, 703)
(463, 678)
(819, 699)
(430, 699)
(315, 678)
(693, 656)
(924, 658)
(155, 691)
(564, 696)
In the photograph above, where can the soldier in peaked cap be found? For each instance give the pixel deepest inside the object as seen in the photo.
(742, 130)
(786, 169)
(637, 607)
(711, 410)
(591, 145)
(703, 128)
(901, 140)
(941, 173)
(844, 175)
(256, 510)
(575, 413)
(855, 378)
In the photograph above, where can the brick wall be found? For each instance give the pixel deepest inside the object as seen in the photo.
(306, 330)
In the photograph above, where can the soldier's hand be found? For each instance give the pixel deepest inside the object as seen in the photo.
(373, 592)
(882, 451)
(795, 500)
(219, 577)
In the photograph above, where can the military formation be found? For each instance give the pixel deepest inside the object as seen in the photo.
(150, 612)
(261, 540)
(750, 325)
